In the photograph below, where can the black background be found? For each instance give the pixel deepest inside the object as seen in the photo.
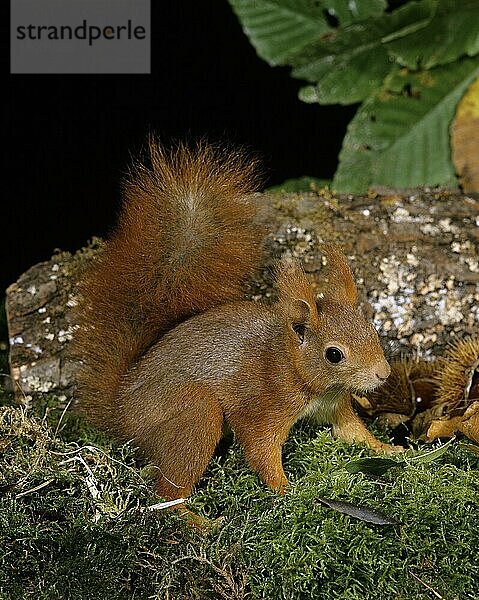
(70, 137)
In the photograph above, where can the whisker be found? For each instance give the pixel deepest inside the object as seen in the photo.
(391, 349)
(314, 378)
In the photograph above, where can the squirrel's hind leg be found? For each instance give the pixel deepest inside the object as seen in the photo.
(181, 447)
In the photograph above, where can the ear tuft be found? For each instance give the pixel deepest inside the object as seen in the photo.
(338, 279)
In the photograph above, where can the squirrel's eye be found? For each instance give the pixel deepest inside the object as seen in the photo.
(299, 330)
(333, 355)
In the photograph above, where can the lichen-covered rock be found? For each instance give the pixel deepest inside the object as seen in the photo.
(40, 324)
(415, 258)
(414, 255)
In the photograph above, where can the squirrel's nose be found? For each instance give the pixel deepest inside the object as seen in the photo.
(382, 371)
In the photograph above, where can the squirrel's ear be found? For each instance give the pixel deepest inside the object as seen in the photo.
(295, 292)
(338, 279)
(299, 312)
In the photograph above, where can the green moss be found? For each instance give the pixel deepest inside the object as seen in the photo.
(84, 532)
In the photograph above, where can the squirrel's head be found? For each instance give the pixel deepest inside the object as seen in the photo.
(331, 342)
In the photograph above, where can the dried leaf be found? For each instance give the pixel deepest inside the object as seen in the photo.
(468, 424)
(358, 512)
(465, 139)
(443, 428)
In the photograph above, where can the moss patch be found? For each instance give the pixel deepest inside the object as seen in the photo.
(74, 522)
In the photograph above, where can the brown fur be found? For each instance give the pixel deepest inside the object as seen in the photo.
(338, 278)
(168, 357)
(185, 241)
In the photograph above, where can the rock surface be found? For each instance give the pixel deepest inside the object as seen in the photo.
(414, 255)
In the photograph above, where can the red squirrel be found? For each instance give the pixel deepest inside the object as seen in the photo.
(170, 349)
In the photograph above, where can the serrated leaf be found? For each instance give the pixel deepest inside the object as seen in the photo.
(399, 136)
(352, 11)
(372, 466)
(465, 139)
(347, 79)
(278, 29)
(364, 513)
(352, 62)
(455, 23)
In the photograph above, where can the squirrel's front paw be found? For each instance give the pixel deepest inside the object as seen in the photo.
(389, 449)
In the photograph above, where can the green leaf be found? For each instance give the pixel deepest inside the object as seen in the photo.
(335, 87)
(278, 29)
(351, 63)
(373, 466)
(432, 455)
(452, 32)
(347, 11)
(400, 135)
(378, 465)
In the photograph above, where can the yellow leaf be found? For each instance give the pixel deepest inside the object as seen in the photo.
(465, 139)
(468, 424)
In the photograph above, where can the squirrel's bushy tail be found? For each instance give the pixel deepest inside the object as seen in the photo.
(186, 240)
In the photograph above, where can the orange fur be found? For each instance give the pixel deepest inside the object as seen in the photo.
(170, 351)
(185, 241)
(338, 276)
